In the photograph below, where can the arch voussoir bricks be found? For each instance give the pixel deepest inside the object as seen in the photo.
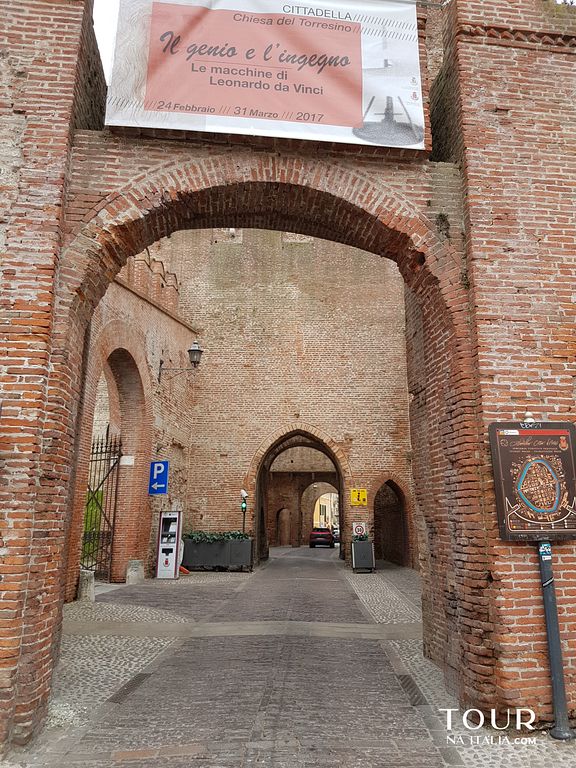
(304, 186)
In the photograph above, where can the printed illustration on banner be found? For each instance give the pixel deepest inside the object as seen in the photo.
(340, 72)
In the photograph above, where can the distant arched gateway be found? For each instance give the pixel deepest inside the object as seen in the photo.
(291, 465)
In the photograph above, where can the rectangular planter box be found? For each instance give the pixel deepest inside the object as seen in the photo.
(234, 553)
(241, 553)
(363, 556)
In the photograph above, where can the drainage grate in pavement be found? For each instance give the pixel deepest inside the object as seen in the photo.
(128, 688)
(415, 695)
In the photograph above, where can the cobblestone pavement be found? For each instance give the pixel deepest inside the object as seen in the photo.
(302, 664)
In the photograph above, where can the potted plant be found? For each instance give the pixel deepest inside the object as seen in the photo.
(223, 549)
(362, 553)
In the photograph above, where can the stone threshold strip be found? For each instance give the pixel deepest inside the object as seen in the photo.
(153, 629)
(206, 750)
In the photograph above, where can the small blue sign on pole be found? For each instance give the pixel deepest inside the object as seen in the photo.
(158, 483)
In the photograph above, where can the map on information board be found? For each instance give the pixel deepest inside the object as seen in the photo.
(535, 479)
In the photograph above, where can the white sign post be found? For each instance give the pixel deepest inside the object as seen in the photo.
(359, 529)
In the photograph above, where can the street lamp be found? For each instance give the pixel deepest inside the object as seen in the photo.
(194, 355)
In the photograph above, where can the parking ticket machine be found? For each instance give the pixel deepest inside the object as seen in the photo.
(168, 566)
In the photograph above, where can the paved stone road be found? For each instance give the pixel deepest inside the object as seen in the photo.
(299, 665)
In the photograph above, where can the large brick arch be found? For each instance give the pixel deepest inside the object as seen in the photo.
(490, 639)
(335, 201)
(263, 191)
(306, 430)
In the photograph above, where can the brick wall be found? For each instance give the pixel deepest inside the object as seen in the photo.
(517, 121)
(38, 90)
(135, 326)
(296, 332)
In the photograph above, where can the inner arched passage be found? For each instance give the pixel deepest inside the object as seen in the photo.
(311, 514)
(288, 483)
(342, 204)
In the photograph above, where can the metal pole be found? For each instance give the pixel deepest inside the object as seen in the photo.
(561, 728)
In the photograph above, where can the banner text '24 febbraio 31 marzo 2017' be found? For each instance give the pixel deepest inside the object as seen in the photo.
(328, 71)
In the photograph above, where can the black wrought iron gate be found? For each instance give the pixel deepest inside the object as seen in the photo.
(100, 511)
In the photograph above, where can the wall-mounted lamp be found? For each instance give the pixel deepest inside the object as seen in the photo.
(194, 355)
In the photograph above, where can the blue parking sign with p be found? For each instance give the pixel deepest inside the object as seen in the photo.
(158, 483)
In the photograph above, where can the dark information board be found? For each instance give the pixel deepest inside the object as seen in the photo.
(535, 479)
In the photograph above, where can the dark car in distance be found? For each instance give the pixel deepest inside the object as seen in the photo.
(321, 536)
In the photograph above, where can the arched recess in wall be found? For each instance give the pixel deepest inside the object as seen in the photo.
(416, 530)
(132, 525)
(283, 527)
(338, 202)
(392, 541)
(117, 379)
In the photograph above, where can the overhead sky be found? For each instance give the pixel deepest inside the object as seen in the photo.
(105, 16)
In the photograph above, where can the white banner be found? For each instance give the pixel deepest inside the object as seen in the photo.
(329, 71)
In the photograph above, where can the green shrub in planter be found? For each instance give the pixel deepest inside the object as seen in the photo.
(209, 537)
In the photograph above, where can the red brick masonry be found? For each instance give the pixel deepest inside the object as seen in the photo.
(482, 230)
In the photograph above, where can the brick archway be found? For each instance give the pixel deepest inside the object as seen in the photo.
(414, 525)
(108, 192)
(254, 190)
(117, 351)
(298, 194)
(281, 434)
(256, 480)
